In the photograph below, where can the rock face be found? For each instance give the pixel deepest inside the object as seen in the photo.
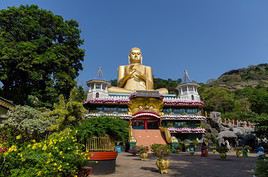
(239, 130)
(216, 121)
(244, 77)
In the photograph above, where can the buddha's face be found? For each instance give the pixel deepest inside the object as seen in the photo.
(135, 55)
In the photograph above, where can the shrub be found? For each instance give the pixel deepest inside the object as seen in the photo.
(24, 123)
(59, 155)
(142, 149)
(160, 150)
(116, 128)
(222, 149)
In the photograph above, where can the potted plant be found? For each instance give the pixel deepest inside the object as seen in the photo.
(245, 151)
(213, 148)
(161, 151)
(191, 148)
(238, 151)
(222, 150)
(143, 152)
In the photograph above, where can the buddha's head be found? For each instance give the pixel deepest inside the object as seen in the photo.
(135, 55)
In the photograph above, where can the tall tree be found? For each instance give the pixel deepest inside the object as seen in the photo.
(40, 54)
(169, 84)
(217, 99)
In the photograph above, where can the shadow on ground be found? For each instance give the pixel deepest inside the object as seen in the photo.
(211, 166)
(152, 169)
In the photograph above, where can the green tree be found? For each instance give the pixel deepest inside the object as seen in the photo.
(169, 84)
(113, 82)
(259, 100)
(68, 113)
(261, 125)
(217, 99)
(78, 94)
(39, 54)
(116, 128)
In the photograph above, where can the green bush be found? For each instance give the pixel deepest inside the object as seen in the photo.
(116, 128)
(142, 149)
(160, 150)
(59, 155)
(24, 123)
(222, 149)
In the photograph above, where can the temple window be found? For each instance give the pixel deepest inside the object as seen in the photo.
(97, 95)
(98, 86)
(99, 108)
(192, 97)
(191, 88)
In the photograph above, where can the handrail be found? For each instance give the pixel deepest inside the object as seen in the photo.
(130, 134)
(166, 133)
(104, 143)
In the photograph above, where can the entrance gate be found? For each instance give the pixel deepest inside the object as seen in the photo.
(151, 121)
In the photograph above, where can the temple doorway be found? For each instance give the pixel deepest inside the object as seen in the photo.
(145, 123)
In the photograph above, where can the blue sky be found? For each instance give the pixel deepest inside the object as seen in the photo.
(207, 37)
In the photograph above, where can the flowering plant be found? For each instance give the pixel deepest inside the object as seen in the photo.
(59, 155)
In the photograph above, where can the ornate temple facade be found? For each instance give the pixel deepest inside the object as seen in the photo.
(152, 114)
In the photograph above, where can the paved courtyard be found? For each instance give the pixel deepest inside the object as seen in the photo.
(184, 165)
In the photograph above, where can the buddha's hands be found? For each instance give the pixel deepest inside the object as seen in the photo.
(136, 73)
(139, 75)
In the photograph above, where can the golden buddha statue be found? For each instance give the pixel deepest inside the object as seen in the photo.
(135, 76)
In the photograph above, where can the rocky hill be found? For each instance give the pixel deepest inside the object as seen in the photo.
(244, 77)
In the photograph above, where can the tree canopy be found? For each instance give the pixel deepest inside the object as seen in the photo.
(115, 127)
(40, 54)
(217, 99)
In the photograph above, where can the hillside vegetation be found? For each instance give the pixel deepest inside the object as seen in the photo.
(251, 76)
(240, 94)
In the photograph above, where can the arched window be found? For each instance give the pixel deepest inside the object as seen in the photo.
(97, 95)
(192, 97)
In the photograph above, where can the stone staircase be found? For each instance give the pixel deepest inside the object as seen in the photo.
(148, 137)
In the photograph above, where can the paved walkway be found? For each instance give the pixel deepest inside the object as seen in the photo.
(184, 165)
